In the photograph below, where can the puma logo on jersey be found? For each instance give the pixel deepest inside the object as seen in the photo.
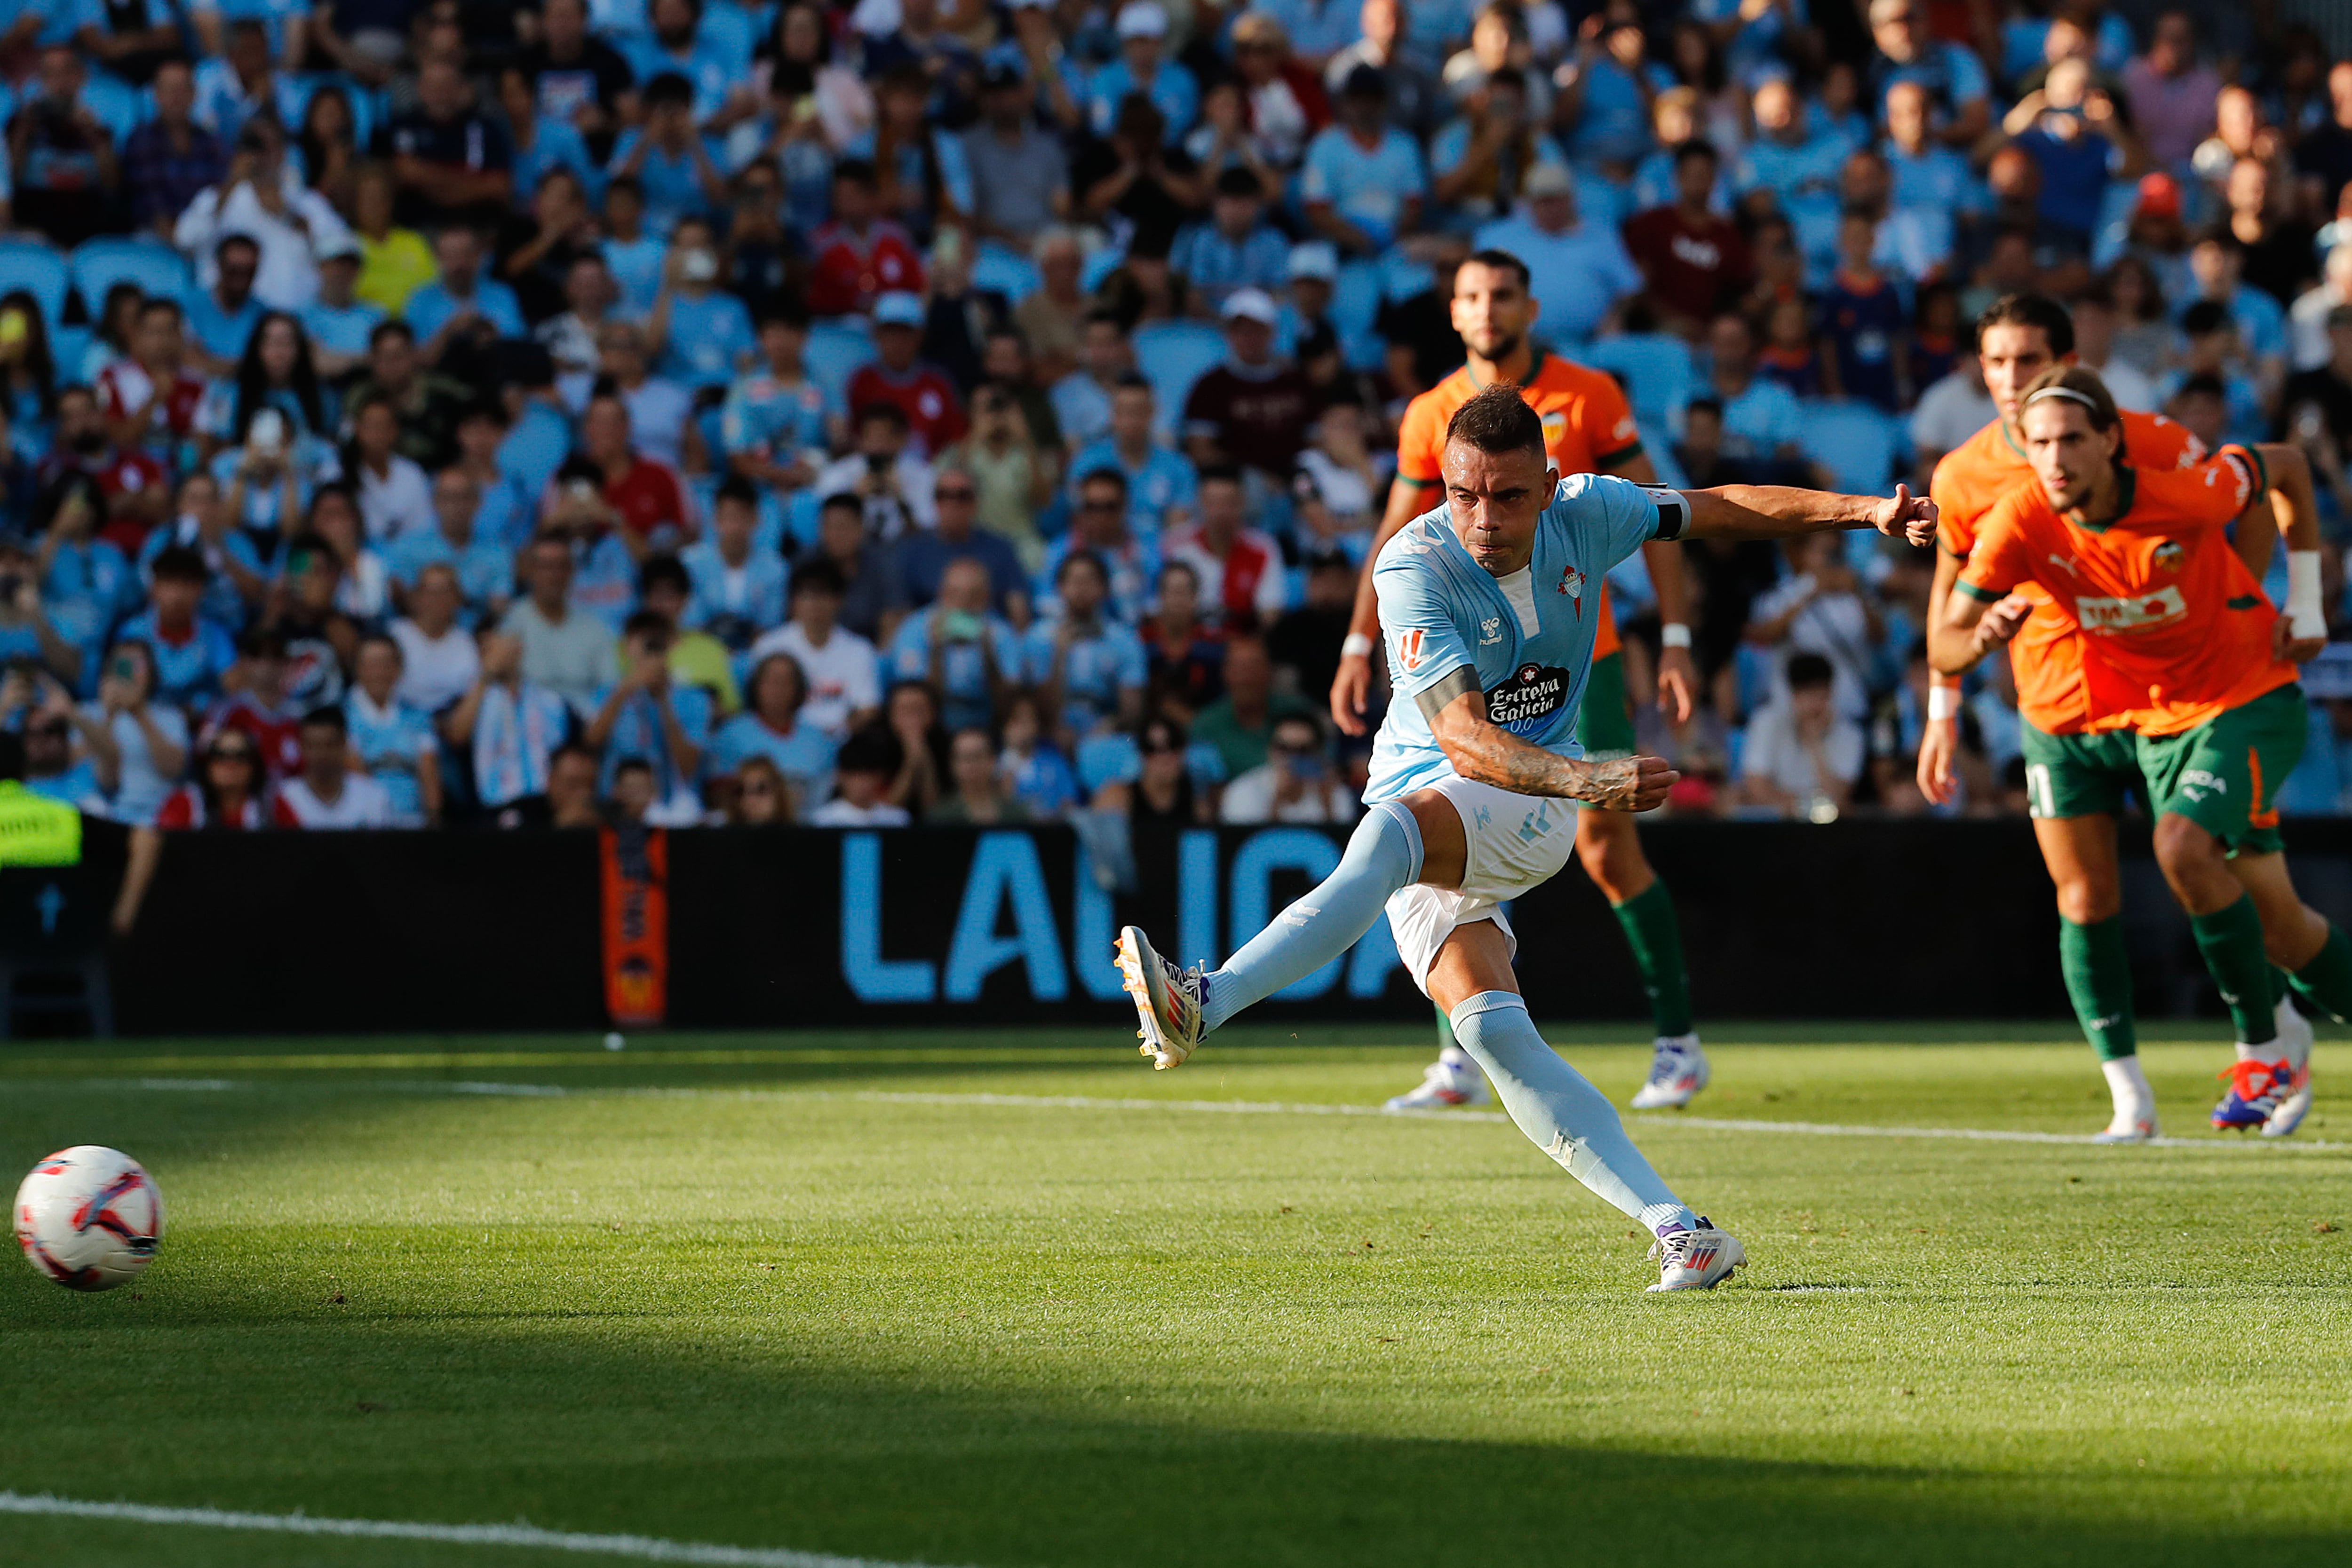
(2065, 562)
(1409, 648)
(1490, 632)
(2137, 615)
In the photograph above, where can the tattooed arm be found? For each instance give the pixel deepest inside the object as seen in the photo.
(1483, 751)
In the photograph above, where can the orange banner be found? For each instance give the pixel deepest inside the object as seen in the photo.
(635, 879)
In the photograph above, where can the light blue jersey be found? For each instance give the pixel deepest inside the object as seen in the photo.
(1529, 636)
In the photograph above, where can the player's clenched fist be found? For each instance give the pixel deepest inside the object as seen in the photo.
(1631, 784)
(1913, 517)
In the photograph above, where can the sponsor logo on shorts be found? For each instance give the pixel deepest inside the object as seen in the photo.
(1534, 692)
(2197, 783)
(2135, 615)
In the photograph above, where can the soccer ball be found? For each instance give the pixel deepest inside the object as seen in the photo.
(89, 1218)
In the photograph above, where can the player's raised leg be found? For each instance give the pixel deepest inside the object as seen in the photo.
(1561, 1112)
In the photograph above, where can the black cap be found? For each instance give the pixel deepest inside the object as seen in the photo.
(1366, 82)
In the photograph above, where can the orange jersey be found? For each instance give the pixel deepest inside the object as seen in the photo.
(1587, 428)
(2045, 657)
(2171, 628)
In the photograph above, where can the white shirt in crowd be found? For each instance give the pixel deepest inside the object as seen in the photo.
(843, 675)
(435, 671)
(1250, 799)
(840, 813)
(1950, 411)
(364, 803)
(2127, 384)
(886, 517)
(1775, 752)
(288, 278)
(1834, 625)
(401, 500)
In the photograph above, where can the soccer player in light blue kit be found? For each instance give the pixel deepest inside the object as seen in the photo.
(1489, 605)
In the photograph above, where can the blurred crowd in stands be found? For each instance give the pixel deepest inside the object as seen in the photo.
(688, 410)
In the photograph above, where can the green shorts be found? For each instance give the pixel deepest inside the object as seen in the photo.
(2225, 775)
(1604, 725)
(2079, 775)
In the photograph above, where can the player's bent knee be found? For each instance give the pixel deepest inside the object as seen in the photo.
(2087, 899)
(1445, 845)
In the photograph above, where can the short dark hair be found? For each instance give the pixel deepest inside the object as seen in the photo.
(1502, 261)
(1238, 180)
(841, 501)
(869, 750)
(2205, 383)
(1220, 473)
(2207, 316)
(1104, 474)
(888, 412)
(1810, 673)
(668, 86)
(12, 755)
(818, 576)
(1704, 406)
(857, 171)
(395, 328)
(2030, 310)
(648, 623)
(1081, 558)
(663, 568)
(1498, 420)
(1696, 146)
(180, 563)
(327, 716)
(736, 487)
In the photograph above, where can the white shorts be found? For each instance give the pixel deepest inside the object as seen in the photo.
(1516, 842)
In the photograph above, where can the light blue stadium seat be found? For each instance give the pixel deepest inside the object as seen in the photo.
(1171, 356)
(1657, 372)
(1099, 266)
(31, 266)
(997, 269)
(1857, 441)
(1109, 759)
(99, 265)
(67, 345)
(1355, 306)
(834, 352)
(119, 107)
(2315, 788)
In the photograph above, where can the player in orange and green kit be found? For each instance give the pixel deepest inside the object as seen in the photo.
(2082, 776)
(2177, 646)
(1587, 429)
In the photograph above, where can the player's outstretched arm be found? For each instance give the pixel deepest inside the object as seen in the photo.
(1777, 511)
(1488, 754)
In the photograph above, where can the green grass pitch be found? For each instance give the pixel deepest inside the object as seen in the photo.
(904, 1298)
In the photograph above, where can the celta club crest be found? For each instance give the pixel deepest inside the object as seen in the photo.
(1571, 583)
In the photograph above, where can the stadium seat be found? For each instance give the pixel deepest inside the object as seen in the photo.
(2315, 788)
(1171, 356)
(1355, 306)
(100, 264)
(996, 270)
(119, 107)
(835, 349)
(1110, 758)
(67, 345)
(34, 268)
(1854, 441)
(1657, 369)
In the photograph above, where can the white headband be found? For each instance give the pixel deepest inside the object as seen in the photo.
(2067, 393)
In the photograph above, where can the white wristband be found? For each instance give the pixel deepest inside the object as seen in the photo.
(1673, 634)
(1357, 646)
(2304, 617)
(1943, 703)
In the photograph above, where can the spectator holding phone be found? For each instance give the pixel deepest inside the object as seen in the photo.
(1296, 783)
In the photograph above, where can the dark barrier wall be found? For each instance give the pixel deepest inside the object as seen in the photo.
(784, 929)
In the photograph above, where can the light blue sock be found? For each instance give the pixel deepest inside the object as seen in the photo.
(1383, 856)
(1566, 1116)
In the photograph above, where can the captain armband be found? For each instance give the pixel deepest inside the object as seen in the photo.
(1434, 700)
(1673, 512)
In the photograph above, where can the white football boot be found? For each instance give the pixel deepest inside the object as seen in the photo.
(1166, 1000)
(2133, 1125)
(1452, 1079)
(2294, 1038)
(1696, 1260)
(1677, 1071)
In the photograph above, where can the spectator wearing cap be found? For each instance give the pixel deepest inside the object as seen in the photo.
(2171, 92)
(860, 255)
(1142, 28)
(171, 158)
(1252, 409)
(337, 320)
(1362, 181)
(1693, 259)
(1579, 266)
(935, 415)
(451, 161)
(1313, 272)
(1161, 484)
(1382, 42)
(1236, 248)
(1959, 97)
(1020, 174)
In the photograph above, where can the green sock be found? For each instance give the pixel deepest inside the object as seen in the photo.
(2232, 941)
(1444, 1031)
(2099, 984)
(1656, 938)
(2326, 981)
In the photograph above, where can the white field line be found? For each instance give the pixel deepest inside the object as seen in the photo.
(1267, 1108)
(643, 1548)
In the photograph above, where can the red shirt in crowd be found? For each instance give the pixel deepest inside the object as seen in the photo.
(924, 394)
(1245, 586)
(1693, 269)
(277, 738)
(167, 412)
(848, 270)
(648, 497)
(184, 807)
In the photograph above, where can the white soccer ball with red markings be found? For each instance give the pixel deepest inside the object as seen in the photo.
(89, 1218)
